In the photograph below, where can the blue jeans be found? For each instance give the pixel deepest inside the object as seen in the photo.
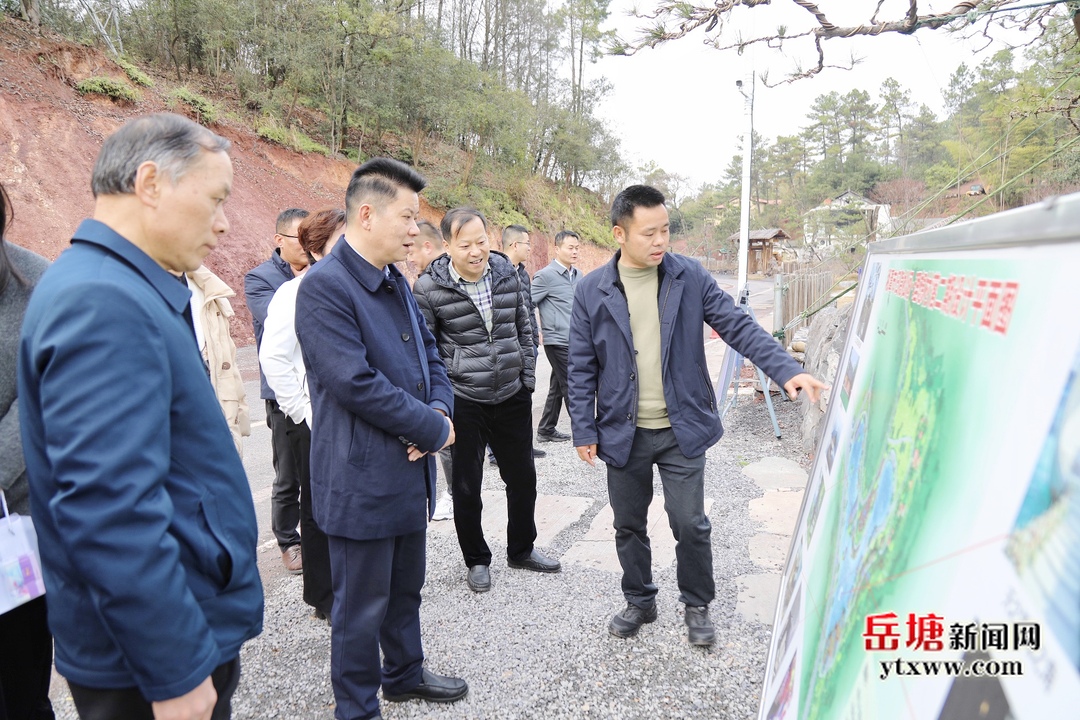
(630, 489)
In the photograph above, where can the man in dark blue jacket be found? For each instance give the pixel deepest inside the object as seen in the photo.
(260, 284)
(640, 396)
(143, 511)
(381, 403)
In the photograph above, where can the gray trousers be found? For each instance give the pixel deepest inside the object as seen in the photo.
(630, 489)
(446, 461)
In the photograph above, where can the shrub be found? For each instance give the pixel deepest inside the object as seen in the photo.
(289, 137)
(109, 87)
(205, 109)
(134, 74)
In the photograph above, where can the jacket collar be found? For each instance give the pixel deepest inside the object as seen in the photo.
(212, 286)
(94, 232)
(283, 267)
(562, 269)
(456, 277)
(369, 276)
(611, 281)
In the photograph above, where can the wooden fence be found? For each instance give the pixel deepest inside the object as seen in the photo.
(798, 289)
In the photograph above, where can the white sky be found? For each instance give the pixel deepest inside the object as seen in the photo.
(678, 105)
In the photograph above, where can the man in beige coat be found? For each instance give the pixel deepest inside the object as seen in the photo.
(210, 312)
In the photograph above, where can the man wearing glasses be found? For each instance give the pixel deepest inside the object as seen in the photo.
(259, 287)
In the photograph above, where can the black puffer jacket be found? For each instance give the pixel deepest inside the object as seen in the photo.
(485, 368)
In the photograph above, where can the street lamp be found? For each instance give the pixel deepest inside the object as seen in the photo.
(744, 206)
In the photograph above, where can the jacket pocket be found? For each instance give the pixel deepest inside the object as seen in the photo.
(710, 394)
(360, 439)
(455, 362)
(220, 564)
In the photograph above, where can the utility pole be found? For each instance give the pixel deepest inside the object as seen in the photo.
(744, 206)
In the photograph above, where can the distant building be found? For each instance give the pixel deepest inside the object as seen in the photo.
(844, 221)
(765, 250)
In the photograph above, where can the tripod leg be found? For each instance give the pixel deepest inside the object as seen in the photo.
(768, 400)
(732, 360)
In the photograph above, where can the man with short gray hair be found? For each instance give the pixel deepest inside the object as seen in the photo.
(143, 512)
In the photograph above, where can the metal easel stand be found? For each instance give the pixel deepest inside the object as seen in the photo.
(730, 370)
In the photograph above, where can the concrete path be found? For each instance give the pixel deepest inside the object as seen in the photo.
(778, 511)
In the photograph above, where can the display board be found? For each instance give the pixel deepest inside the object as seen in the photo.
(935, 567)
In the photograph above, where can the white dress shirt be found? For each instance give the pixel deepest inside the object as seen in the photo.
(280, 357)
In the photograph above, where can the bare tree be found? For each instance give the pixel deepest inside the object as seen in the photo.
(674, 19)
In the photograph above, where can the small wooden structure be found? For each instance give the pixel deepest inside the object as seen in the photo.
(759, 254)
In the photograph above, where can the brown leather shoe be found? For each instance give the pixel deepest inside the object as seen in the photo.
(294, 561)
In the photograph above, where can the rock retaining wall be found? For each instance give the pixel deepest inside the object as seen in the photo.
(823, 345)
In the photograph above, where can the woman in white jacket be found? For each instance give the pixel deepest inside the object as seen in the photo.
(283, 367)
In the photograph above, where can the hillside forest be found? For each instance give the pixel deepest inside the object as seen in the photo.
(496, 102)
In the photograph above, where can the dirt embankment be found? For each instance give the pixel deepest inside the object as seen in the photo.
(50, 135)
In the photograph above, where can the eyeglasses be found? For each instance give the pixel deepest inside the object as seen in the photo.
(294, 237)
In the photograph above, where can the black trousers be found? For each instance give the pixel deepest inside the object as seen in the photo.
(558, 389)
(630, 489)
(285, 501)
(318, 589)
(25, 663)
(129, 704)
(507, 428)
(377, 586)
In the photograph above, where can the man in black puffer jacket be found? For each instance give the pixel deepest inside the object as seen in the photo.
(473, 302)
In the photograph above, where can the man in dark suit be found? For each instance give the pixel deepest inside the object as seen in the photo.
(143, 511)
(381, 403)
(260, 284)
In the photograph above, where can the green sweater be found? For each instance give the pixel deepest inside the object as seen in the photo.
(642, 288)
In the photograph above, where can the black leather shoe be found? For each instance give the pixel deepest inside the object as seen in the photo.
(479, 578)
(701, 630)
(553, 436)
(626, 623)
(538, 453)
(535, 561)
(434, 688)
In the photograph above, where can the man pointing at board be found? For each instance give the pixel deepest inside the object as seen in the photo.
(637, 357)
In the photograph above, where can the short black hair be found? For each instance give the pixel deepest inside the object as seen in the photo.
(286, 218)
(377, 182)
(561, 236)
(429, 228)
(454, 219)
(630, 199)
(511, 235)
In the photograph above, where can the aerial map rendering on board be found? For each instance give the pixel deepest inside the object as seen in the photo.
(935, 569)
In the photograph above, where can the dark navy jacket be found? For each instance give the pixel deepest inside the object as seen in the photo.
(143, 512)
(375, 378)
(602, 372)
(260, 284)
